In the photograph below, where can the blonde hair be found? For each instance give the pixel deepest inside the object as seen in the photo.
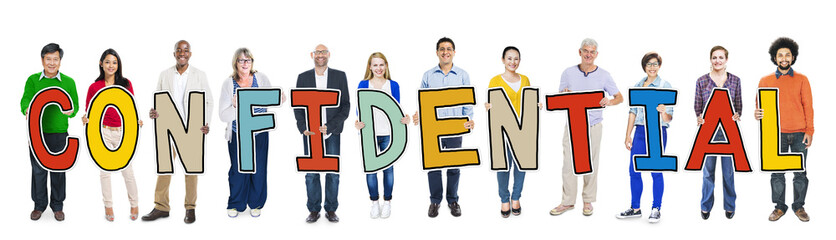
(369, 75)
(241, 51)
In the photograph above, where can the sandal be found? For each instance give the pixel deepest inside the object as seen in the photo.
(516, 211)
(109, 214)
(505, 213)
(134, 213)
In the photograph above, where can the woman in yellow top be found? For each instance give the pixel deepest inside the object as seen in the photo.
(513, 83)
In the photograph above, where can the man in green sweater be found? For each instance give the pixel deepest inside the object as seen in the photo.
(54, 126)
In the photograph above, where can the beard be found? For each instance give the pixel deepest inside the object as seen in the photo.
(784, 68)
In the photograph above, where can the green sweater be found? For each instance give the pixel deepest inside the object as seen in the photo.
(53, 120)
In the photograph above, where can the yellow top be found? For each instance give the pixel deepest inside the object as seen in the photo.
(514, 94)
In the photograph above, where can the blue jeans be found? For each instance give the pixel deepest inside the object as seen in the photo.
(388, 175)
(434, 177)
(729, 194)
(58, 180)
(502, 179)
(332, 181)
(636, 184)
(790, 142)
(247, 188)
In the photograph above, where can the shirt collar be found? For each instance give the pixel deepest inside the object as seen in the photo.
(778, 73)
(656, 82)
(586, 74)
(185, 73)
(437, 68)
(43, 75)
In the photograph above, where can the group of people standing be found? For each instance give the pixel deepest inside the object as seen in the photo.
(249, 190)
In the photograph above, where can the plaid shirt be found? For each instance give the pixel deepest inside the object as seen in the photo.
(705, 86)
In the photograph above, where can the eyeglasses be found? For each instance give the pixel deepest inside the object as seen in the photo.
(320, 52)
(653, 64)
(243, 61)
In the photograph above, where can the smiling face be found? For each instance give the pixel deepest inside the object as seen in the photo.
(652, 68)
(182, 54)
(784, 58)
(244, 64)
(445, 53)
(378, 67)
(321, 55)
(588, 54)
(51, 62)
(718, 60)
(511, 60)
(109, 65)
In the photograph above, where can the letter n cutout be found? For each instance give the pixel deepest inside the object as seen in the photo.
(523, 132)
(189, 141)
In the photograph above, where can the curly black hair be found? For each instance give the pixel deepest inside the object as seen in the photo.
(784, 42)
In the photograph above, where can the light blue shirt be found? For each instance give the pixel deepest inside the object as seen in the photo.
(657, 83)
(435, 78)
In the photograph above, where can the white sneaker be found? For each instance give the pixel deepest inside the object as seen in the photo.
(386, 210)
(375, 212)
(655, 215)
(232, 213)
(255, 212)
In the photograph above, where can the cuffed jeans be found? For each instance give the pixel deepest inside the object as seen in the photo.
(729, 194)
(248, 188)
(434, 177)
(388, 175)
(55, 142)
(332, 180)
(503, 177)
(636, 184)
(791, 142)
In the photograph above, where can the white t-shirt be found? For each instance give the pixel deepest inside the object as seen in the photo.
(178, 93)
(322, 83)
(381, 120)
(514, 85)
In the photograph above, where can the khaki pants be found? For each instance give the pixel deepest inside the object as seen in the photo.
(590, 181)
(112, 138)
(161, 191)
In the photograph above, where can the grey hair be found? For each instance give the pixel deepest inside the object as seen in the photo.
(589, 42)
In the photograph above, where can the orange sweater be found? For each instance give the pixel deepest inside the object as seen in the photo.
(796, 101)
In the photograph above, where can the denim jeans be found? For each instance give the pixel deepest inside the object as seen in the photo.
(503, 177)
(434, 176)
(248, 188)
(636, 184)
(790, 142)
(388, 175)
(332, 180)
(729, 194)
(58, 180)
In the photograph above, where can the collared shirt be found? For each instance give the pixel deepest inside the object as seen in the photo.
(53, 120)
(778, 73)
(639, 111)
(435, 78)
(575, 79)
(179, 92)
(705, 86)
(57, 76)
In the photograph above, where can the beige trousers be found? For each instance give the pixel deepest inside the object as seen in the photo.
(112, 138)
(590, 181)
(161, 191)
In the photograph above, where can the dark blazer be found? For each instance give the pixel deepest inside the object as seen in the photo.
(336, 115)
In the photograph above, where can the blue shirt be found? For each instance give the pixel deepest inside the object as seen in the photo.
(256, 110)
(778, 73)
(657, 83)
(435, 78)
(576, 80)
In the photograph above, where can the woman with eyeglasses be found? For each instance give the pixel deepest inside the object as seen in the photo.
(717, 78)
(377, 77)
(245, 189)
(110, 74)
(651, 63)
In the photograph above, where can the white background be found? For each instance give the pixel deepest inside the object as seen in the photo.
(281, 36)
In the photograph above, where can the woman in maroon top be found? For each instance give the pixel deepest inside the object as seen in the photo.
(110, 73)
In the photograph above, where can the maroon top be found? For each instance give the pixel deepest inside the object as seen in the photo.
(111, 117)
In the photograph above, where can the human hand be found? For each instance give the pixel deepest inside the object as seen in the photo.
(308, 133)
(700, 120)
(758, 114)
(153, 114)
(84, 119)
(283, 97)
(487, 106)
(415, 119)
(405, 119)
(628, 142)
(323, 129)
(140, 123)
(661, 108)
(469, 124)
(540, 106)
(736, 117)
(565, 90)
(235, 100)
(205, 129)
(604, 102)
(808, 140)
(359, 125)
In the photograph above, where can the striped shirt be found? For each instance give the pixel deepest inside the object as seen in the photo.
(235, 87)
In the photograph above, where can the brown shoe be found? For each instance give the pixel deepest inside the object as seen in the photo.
(154, 215)
(802, 215)
(189, 216)
(59, 215)
(776, 214)
(35, 215)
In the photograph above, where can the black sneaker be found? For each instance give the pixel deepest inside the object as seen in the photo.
(630, 213)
